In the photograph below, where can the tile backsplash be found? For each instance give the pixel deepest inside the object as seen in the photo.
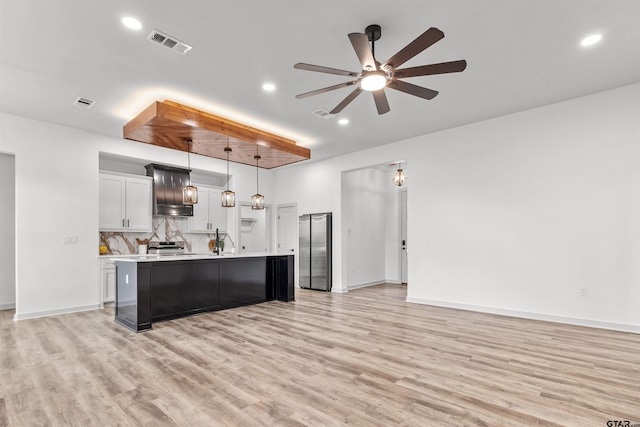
(165, 229)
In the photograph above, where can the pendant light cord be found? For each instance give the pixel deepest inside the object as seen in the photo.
(227, 150)
(257, 181)
(189, 158)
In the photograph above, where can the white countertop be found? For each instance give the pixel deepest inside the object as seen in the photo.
(185, 257)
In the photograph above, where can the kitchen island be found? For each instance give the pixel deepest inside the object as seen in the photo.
(155, 288)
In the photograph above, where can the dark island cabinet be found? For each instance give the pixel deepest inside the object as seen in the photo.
(183, 288)
(243, 281)
(280, 275)
(148, 291)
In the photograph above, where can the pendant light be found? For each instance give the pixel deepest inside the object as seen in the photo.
(257, 200)
(228, 197)
(399, 178)
(189, 192)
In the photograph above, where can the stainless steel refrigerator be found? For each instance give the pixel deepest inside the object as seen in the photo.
(315, 251)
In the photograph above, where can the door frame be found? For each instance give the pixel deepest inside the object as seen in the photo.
(403, 219)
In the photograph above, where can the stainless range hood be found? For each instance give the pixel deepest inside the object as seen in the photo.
(168, 182)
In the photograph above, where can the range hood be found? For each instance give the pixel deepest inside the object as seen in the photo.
(167, 190)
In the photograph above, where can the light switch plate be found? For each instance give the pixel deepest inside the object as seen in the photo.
(70, 239)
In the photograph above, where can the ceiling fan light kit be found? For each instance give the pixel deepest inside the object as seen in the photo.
(375, 76)
(373, 80)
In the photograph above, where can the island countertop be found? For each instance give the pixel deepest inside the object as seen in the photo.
(192, 256)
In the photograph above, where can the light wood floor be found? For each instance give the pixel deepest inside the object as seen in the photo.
(361, 358)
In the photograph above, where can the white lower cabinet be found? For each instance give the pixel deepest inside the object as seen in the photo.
(208, 213)
(108, 280)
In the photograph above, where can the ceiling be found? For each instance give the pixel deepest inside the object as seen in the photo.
(520, 54)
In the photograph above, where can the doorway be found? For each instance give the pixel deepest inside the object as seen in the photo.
(255, 229)
(8, 232)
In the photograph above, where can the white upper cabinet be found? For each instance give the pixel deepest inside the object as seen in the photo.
(208, 213)
(125, 202)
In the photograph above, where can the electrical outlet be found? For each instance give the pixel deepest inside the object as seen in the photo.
(69, 239)
(584, 292)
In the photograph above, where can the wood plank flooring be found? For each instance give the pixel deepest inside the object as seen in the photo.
(362, 358)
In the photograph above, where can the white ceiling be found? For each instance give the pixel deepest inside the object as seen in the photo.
(521, 54)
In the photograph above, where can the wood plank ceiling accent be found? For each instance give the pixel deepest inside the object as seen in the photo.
(167, 124)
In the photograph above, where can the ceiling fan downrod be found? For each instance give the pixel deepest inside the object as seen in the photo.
(373, 32)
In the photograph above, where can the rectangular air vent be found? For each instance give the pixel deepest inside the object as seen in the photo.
(84, 102)
(169, 42)
(323, 113)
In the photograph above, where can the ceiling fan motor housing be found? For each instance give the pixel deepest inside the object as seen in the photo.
(373, 32)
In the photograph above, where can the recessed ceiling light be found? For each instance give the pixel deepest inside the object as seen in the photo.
(269, 87)
(132, 23)
(591, 40)
(343, 122)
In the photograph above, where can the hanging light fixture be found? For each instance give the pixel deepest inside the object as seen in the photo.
(189, 192)
(399, 178)
(228, 197)
(257, 200)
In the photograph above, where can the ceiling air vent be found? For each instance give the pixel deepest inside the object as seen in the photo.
(84, 102)
(169, 42)
(323, 113)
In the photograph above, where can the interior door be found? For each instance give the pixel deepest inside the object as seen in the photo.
(287, 226)
(404, 257)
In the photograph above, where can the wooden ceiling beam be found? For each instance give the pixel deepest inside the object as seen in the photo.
(167, 124)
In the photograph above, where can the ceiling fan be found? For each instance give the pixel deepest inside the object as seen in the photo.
(375, 76)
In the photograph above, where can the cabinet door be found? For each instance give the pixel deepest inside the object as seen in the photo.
(112, 202)
(217, 214)
(138, 204)
(199, 222)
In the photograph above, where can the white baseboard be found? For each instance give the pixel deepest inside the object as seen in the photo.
(7, 306)
(37, 314)
(364, 285)
(339, 290)
(623, 327)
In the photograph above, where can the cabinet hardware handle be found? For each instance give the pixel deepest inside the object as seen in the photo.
(123, 222)
(127, 223)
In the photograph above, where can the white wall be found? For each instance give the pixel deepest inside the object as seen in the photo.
(57, 195)
(364, 209)
(7, 232)
(514, 214)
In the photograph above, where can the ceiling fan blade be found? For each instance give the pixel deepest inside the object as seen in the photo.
(346, 101)
(325, 89)
(360, 43)
(321, 69)
(426, 39)
(427, 70)
(412, 89)
(381, 101)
